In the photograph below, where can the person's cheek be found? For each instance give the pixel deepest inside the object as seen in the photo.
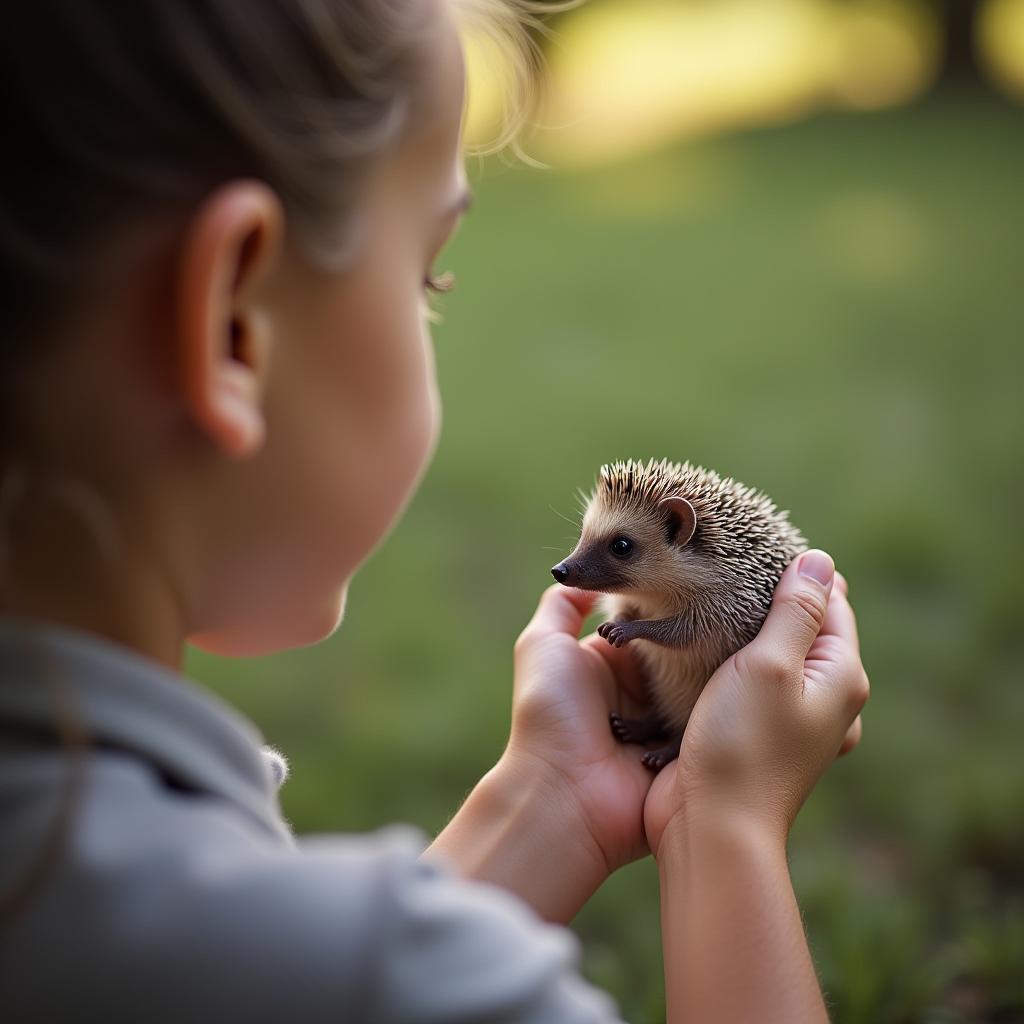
(421, 408)
(433, 393)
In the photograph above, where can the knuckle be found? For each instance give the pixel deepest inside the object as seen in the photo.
(808, 608)
(777, 669)
(851, 739)
(770, 665)
(529, 707)
(524, 642)
(861, 689)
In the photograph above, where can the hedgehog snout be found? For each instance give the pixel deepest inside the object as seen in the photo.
(588, 573)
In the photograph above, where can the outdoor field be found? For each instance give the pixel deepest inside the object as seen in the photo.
(830, 310)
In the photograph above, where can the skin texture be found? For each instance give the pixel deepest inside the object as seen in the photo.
(222, 481)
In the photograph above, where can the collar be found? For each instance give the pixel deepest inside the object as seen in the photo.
(128, 700)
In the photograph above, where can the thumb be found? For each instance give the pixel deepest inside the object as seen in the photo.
(798, 606)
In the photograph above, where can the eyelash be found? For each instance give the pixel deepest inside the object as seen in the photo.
(439, 283)
(436, 284)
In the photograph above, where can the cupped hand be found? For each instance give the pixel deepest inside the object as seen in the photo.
(774, 715)
(564, 690)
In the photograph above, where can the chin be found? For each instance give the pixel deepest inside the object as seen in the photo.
(254, 639)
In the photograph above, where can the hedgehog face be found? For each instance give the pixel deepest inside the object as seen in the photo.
(630, 549)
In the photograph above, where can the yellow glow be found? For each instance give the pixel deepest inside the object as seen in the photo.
(884, 52)
(625, 76)
(1001, 38)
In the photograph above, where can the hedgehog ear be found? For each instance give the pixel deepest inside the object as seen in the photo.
(682, 519)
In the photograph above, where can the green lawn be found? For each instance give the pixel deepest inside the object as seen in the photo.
(832, 312)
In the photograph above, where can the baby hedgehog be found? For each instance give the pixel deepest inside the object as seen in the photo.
(689, 562)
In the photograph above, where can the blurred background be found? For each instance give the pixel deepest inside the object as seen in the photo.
(783, 239)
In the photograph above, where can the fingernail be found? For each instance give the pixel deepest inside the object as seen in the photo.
(817, 566)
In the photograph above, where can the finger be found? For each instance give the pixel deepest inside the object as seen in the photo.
(840, 620)
(852, 738)
(798, 606)
(842, 584)
(624, 665)
(562, 610)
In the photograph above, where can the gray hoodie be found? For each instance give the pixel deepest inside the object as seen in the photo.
(176, 891)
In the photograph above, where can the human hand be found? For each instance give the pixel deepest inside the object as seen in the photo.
(563, 692)
(774, 715)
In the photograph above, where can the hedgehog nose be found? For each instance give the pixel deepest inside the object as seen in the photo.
(560, 572)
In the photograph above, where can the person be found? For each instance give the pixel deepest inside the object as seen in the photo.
(217, 396)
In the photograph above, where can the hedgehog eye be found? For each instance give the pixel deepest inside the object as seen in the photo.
(621, 547)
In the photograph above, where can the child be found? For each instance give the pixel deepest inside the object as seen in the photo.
(218, 393)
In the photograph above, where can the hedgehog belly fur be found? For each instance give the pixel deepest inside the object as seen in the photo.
(675, 678)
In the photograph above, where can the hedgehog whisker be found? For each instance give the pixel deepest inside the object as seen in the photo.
(571, 522)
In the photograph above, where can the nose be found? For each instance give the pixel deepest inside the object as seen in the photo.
(560, 572)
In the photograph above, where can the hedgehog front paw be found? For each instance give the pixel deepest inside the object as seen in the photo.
(616, 633)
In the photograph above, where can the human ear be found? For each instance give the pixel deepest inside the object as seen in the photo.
(223, 330)
(682, 518)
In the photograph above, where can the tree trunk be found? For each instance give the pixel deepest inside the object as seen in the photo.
(960, 65)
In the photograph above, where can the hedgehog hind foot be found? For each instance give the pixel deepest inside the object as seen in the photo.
(638, 730)
(657, 759)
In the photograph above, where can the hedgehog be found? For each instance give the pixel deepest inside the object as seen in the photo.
(688, 561)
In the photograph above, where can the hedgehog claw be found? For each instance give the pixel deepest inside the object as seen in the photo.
(620, 730)
(657, 759)
(637, 730)
(654, 759)
(616, 633)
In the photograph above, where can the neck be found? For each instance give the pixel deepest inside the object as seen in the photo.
(66, 558)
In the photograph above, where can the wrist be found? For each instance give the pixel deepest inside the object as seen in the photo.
(733, 941)
(518, 829)
(706, 830)
(537, 796)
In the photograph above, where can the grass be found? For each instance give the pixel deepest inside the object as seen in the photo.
(830, 311)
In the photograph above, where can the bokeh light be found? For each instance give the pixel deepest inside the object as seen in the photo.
(1001, 39)
(625, 78)
(883, 53)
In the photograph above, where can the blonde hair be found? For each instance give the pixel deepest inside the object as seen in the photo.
(512, 30)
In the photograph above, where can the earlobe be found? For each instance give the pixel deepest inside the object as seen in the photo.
(682, 519)
(223, 333)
